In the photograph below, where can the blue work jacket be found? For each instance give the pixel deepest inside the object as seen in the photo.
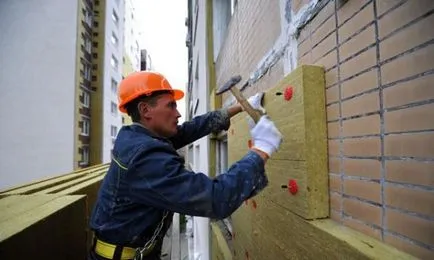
(147, 178)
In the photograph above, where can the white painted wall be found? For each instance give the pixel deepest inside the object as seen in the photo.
(37, 78)
(112, 119)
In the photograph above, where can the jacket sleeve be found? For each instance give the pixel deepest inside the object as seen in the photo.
(159, 179)
(200, 126)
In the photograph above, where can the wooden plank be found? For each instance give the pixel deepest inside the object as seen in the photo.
(54, 230)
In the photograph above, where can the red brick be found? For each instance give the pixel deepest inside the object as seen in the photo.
(335, 215)
(325, 29)
(408, 38)
(366, 125)
(410, 119)
(332, 94)
(333, 129)
(335, 183)
(411, 145)
(359, 63)
(361, 83)
(367, 168)
(363, 189)
(366, 212)
(331, 77)
(335, 201)
(384, 6)
(328, 61)
(408, 65)
(407, 246)
(325, 46)
(413, 172)
(357, 43)
(419, 89)
(332, 112)
(403, 15)
(362, 228)
(323, 15)
(361, 105)
(334, 164)
(361, 19)
(367, 146)
(410, 226)
(414, 200)
(349, 9)
(333, 147)
(304, 47)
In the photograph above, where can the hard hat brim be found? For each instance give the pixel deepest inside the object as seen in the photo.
(177, 95)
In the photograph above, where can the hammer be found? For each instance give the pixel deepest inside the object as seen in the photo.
(230, 85)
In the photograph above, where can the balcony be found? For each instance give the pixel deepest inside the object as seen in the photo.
(86, 26)
(87, 54)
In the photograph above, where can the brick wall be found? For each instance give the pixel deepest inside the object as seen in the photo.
(244, 47)
(379, 61)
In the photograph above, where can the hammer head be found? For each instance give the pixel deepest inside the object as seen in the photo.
(228, 85)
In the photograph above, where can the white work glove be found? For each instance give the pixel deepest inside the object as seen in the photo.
(256, 101)
(265, 136)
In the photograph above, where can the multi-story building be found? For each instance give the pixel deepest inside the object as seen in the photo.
(376, 59)
(108, 57)
(58, 79)
(131, 56)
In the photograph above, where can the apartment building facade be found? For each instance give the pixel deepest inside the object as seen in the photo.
(58, 74)
(378, 64)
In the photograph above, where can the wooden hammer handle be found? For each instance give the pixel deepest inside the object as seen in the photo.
(255, 114)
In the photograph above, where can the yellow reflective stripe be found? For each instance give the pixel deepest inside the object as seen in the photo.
(119, 164)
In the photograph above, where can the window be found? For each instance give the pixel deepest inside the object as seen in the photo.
(114, 86)
(85, 130)
(114, 39)
(114, 62)
(86, 98)
(113, 131)
(114, 108)
(222, 156)
(84, 155)
(115, 17)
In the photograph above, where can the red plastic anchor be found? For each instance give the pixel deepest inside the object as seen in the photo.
(293, 187)
(249, 143)
(288, 93)
(254, 205)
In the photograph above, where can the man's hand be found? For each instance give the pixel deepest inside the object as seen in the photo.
(265, 136)
(256, 101)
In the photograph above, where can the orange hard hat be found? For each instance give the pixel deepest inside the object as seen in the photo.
(143, 83)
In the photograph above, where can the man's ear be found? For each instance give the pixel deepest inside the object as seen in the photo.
(144, 109)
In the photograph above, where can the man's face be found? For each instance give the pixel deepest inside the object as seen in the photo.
(163, 117)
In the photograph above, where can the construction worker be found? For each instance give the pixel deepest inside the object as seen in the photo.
(147, 181)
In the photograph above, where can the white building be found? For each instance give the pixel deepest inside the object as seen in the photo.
(113, 52)
(131, 35)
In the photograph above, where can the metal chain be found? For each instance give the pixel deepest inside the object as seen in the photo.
(140, 251)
